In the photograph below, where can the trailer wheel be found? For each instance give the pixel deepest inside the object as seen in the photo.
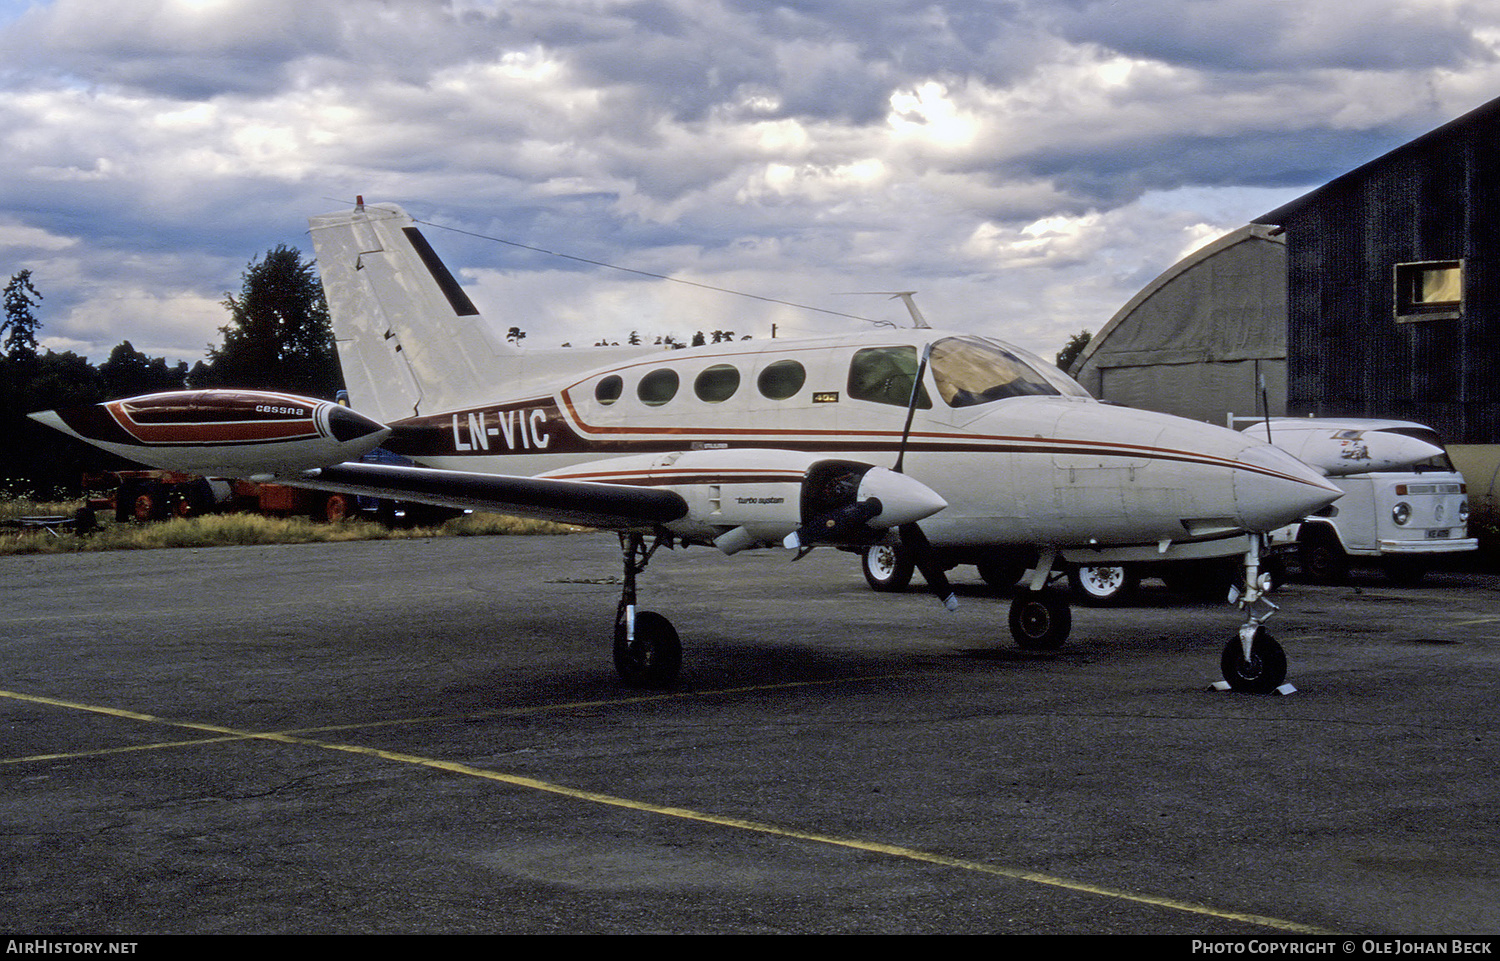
(149, 503)
(338, 507)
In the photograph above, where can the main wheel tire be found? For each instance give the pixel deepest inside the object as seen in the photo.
(1103, 585)
(1263, 673)
(654, 657)
(1322, 558)
(1040, 620)
(1001, 575)
(887, 567)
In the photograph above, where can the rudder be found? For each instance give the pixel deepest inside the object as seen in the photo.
(409, 339)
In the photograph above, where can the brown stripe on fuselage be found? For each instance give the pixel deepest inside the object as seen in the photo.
(434, 436)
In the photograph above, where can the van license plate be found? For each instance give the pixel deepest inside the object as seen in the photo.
(1438, 534)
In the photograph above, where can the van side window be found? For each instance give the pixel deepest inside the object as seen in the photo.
(884, 375)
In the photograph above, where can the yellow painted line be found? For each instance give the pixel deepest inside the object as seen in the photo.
(225, 735)
(686, 814)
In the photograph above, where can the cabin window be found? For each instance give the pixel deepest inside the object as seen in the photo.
(1433, 290)
(969, 371)
(884, 375)
(657, 387)
(717, 383)
(781, 379)
(607, 391)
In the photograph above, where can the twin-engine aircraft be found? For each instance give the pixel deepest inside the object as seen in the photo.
(945, 448)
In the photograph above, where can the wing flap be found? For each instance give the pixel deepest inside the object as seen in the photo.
(609, 506)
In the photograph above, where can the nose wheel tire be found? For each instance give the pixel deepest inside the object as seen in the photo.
(1040, 620)
(1001, 575)
(653, 657)
(1263, 673)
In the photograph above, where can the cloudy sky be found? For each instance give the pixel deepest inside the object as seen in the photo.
(1025, 165)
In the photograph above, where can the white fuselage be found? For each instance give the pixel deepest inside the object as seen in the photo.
(1060, 470)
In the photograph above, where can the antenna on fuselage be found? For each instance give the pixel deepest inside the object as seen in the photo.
(907, 297)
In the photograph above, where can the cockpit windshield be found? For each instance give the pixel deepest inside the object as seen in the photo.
(970, 371)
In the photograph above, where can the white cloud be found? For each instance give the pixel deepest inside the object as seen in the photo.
(1025, 166)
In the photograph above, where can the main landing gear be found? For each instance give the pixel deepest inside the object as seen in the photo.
(647, 650)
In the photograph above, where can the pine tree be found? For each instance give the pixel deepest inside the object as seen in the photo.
(20, 322)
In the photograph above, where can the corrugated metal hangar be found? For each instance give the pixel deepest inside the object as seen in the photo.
(1376, 295)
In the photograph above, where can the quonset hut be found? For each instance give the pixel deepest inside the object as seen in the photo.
(1376, 295)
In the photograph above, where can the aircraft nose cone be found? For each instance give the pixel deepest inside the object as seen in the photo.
(1273, 489)
(347, 425)
(903, 500)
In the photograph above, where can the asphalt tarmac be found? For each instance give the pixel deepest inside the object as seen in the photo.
(411, 736)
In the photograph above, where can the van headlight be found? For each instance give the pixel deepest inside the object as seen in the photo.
(1401, 513)
(1463, 511)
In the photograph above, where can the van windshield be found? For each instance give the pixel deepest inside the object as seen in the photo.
(970, 371)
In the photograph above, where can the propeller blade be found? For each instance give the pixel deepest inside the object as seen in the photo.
(911, 407)
(926, 560)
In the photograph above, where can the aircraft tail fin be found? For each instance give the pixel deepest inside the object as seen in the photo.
(409, 339)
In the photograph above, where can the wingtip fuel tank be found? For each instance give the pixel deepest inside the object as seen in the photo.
(231, 433)
(1342, 447)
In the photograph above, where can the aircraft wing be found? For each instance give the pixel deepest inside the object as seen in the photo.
(610, 506)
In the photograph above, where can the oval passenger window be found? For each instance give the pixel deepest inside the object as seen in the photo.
(781, 379)
(657, 387)
(717, 383)
(608, 390)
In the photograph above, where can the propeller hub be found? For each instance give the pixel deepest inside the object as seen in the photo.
(901, 498)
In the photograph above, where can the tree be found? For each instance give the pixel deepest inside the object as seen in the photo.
(1073, 349)
(279, 336)
(129, 372)
(20, 322)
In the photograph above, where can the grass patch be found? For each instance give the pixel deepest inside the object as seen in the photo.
(224, 530)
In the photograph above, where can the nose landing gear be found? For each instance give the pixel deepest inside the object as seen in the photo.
(1253, 662)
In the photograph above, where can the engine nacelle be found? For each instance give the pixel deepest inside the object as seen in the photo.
(741, 498)
(232, 433)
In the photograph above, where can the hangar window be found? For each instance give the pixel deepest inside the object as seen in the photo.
(781, 379)
(717, 383)
(657, 387)
(1433, 290)
(607, 391)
